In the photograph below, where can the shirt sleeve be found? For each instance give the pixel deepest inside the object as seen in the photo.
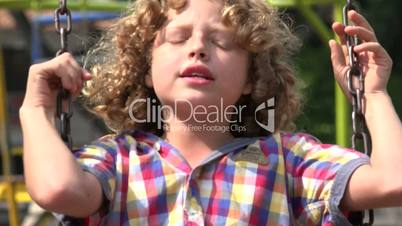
(317, 176)
(99, 159)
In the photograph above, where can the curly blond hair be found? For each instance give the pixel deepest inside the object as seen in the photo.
(122, 58)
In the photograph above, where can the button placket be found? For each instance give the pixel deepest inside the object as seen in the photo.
(192, 207)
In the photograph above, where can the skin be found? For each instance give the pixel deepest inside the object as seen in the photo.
(72, 191)
(53, 177)
(378, 184)
(198, 37)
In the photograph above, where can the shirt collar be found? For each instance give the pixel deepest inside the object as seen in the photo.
(171, 154)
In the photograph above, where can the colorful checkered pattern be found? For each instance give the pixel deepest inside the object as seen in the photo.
(283, 179)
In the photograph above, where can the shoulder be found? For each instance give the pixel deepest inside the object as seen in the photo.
(290, 141)
(297, 148)
(299, 140)
(127, 136)
(123, 141)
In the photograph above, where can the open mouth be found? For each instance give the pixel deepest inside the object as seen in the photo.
(197, 75)
(197, 72)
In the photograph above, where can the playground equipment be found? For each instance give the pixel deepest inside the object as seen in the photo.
(9, 184)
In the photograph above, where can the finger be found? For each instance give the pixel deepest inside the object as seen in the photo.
(362, 33)
(86, 75)
(345, 53)
(359, 20)
(374, 47)
(63, 68)
(72, 74)
(337, 57)
(55, 73)
(61, 71)
(338, 28)
(81, 75)
(72, 64)
(339, 65)
(69, 79)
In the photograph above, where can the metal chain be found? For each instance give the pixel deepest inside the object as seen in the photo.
(64, 95)
(355, 79)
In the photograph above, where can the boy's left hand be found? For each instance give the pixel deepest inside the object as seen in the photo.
(375, 63)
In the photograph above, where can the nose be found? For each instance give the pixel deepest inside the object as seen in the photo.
(199, 48)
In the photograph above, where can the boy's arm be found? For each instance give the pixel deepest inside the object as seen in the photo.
(380, 183)
(53, 177)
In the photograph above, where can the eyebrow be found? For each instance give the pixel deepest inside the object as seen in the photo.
(217, 28)
(221, 29)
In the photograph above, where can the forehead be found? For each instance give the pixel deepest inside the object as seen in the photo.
(194, 10)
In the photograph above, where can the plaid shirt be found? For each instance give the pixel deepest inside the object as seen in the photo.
(283, 179)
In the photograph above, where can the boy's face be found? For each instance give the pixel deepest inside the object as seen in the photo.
(195, 58)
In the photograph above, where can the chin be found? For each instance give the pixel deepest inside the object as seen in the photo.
(195, 100)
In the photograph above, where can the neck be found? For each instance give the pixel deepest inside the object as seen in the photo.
(196, 141)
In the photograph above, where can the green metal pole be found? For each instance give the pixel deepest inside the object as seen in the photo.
(294, 3)
(95, 5)
(342, 106)
(316, 22)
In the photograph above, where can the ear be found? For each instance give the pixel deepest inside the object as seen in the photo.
(247, 88)
(148, 81)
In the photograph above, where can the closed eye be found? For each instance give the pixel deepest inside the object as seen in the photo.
(222, 43)
(176, 36)
(223, 40)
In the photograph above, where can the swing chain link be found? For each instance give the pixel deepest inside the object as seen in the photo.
(64, 95)
(65, 30)
(356, 90)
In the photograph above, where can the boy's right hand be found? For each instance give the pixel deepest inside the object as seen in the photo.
(68, 190)
(46, 79)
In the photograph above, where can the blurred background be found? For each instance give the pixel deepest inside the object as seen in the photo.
(27, 36)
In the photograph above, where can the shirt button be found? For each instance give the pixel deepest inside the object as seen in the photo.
(157, 146)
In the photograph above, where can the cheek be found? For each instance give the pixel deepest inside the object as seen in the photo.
(235, 70)
(164, 66)
(160, 64)
(235, 66)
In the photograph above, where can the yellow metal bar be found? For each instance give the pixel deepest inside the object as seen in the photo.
(5, 154)
(16, 151)
(21, 194)
(342, 106)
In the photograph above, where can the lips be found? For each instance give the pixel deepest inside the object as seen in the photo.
(197, 71)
